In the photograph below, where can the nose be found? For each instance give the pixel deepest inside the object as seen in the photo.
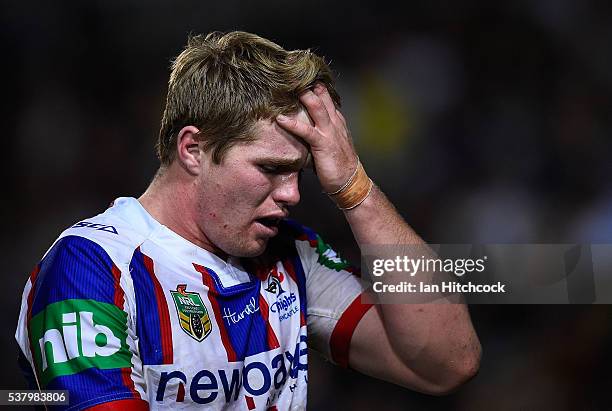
(287, 190)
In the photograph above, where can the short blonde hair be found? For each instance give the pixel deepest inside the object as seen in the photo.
(223, 83)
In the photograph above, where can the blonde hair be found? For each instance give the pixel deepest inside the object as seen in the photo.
(224, 83)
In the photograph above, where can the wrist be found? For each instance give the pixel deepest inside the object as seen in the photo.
(357, 188)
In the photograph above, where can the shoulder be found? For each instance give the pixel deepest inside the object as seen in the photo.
(88, 260)
(297, 240)
(110, 233)
(291, 237)
(311, 245)
(297, 232)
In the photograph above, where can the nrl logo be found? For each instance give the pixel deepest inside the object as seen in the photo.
(274, 282)
(193, 315)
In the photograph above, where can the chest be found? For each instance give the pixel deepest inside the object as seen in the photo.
(217, 328)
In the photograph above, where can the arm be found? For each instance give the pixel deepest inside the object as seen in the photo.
(427, 347)
(74, 329)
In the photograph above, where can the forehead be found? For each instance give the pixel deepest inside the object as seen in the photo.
(271, 140)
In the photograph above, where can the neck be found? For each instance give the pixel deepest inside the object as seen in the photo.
(171, 200)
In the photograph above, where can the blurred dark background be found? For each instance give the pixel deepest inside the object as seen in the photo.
(482, 121)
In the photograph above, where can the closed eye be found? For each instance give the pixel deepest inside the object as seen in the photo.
(269, 169)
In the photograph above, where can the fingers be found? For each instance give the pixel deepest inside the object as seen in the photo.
(316, 108)
(321, 91)
(299, 128)
(341, 117)
(326, 122)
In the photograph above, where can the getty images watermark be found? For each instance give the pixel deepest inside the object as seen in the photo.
(411, 266)
(489, 274)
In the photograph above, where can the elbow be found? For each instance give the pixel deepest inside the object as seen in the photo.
(458, 372)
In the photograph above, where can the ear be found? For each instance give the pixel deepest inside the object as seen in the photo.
(188, 150)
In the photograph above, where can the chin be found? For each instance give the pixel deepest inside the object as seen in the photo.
(252, 250)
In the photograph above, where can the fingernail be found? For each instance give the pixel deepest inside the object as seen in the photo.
(282, 117)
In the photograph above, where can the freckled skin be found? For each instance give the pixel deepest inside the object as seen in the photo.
(236, 192)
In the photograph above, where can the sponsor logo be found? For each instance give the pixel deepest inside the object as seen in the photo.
(95, 226)
(329, 258)
(193, 315)
(73, 335)
(284, 306)
(234, 318)
(257, 378)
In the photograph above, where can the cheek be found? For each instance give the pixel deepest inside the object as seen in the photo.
(249, 189)
(234, 199)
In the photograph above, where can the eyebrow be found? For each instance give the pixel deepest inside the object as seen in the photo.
(282, 162)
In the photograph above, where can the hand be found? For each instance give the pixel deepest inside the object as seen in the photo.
(330, 142)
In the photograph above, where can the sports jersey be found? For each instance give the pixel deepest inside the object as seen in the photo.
(122, 310)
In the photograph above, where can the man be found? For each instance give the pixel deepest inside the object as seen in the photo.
(202, 292)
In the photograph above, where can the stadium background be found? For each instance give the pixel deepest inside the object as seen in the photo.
(482, 121)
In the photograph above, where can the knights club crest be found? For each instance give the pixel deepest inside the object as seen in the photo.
(192, 313)
(273, 283)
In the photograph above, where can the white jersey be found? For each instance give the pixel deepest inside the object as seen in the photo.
(122, 310)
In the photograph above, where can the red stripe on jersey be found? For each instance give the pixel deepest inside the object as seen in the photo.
(126, 378)
(291, 271)
(122, 405)
(272, 408)
(162, 311)
(126, 373)
(118, 297)
(250, 402)
(302, 319)
(33, 276)
(265, 313)
(180, 395)
(340, 340)
(212, 297)
(304, 237)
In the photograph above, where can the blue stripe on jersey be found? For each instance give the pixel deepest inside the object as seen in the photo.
(296, 229)
(91, 387)
(301, 280)
(26, 369)
(75, 267)
(241, 316)
(147, 314)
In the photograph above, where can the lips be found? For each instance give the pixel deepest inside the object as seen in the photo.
(269, 224)
(269, 221)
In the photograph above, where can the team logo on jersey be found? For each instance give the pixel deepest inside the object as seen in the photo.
(329, 258)
(273, 283)
(193, 315)
(73, 335)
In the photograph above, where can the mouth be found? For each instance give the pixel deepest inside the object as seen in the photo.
(270, 224)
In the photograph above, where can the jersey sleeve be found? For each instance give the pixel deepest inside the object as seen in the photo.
(335, 297)
(75, 328)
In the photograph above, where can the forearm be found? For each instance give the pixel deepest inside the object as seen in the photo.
(435, 340)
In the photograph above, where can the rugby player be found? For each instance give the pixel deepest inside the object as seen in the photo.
(202, 292)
